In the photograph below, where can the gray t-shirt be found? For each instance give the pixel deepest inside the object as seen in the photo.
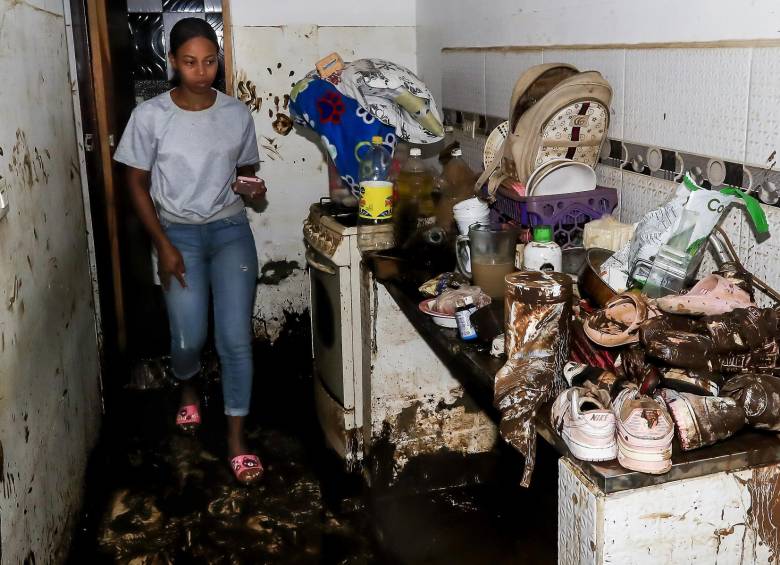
(192, 156)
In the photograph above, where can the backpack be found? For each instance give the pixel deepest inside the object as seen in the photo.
(555, 112)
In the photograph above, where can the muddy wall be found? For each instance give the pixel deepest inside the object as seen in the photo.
(274, 46)
(49, 389)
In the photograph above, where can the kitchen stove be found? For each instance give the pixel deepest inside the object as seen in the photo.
(375, 378)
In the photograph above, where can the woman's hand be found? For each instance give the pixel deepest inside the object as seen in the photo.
(170, 263)
(253, 190)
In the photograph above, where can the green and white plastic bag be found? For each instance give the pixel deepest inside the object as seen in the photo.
(658, 226)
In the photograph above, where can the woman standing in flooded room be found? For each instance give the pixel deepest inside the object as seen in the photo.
(184, 150)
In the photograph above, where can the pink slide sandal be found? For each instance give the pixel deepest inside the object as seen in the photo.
(246, 468)
(188, 418)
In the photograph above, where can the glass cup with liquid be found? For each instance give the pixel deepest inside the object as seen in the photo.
(487, 255)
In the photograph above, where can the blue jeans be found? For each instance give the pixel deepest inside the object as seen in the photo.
(219, 256)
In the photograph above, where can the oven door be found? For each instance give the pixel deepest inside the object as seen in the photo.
(326, 322)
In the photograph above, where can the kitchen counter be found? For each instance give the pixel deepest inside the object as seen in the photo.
(473, 366)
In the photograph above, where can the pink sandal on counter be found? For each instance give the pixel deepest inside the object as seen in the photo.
(188, 418)
(711, 296)
(246, 464)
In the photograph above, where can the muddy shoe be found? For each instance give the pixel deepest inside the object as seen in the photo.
(618, 322)
(702, 420)
(741, 330)
(577, 374)
(711, 295)
(683, 349)
(582, 417)
(759, 397)
(694, 382)
(644, 432)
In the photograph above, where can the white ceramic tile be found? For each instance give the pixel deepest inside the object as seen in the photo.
(642, 193)
(688, 99)
(611, 64)
(396, 44)
(463, 81)
(501, 73)
(761, 259)
(472, 148)
(763, 128)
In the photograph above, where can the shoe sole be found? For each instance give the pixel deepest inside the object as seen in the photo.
(588, 452)
(655, 462)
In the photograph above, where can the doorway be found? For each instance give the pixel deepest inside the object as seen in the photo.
(121, 60)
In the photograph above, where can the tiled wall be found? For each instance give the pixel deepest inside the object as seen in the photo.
(720, 102)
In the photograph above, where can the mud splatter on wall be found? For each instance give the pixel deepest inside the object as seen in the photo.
(269, 60)
(49, 393)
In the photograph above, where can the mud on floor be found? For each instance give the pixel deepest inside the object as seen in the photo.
(155, 497)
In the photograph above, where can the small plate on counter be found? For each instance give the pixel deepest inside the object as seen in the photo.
(443, 320)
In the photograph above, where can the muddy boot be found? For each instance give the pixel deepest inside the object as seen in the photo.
(702, 420)
(759, 396)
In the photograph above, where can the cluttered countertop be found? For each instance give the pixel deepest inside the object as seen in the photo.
(606, 338)
(473, 365)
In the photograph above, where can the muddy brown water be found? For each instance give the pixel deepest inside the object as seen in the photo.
(156, 497)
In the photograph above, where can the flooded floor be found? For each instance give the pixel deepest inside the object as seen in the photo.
(155, 497)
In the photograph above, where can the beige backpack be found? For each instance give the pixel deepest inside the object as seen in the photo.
(555, 112)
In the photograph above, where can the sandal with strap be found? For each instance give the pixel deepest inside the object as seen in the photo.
(618, 322)
(188, 418)
(247, 468)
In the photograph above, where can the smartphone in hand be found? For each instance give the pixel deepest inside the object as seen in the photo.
(249, 186)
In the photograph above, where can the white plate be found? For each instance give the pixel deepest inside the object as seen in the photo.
(439, 319)
(565, 178)
(539, 171)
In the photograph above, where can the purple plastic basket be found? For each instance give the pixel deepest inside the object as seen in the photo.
(566, 213)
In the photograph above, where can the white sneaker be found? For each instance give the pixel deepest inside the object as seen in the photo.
(644, 432)
(582, 417)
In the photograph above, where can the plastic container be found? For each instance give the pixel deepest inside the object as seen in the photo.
(566, 213)
(414, 208)
(463, 318)
(542, 254)
(376, 198)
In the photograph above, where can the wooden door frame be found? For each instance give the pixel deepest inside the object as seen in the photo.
(107, 137)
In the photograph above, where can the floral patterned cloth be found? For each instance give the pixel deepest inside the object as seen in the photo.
(345, 128)
(394, 95)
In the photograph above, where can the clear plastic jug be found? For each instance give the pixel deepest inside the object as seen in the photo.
(487, 255)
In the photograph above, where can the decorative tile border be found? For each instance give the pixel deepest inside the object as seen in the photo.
(657, 162)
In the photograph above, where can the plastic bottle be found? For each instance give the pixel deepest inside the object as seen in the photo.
(542, 254)
(376, 199)
(465, 307)
(453, 185)
(459, 175)
(414, 204)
